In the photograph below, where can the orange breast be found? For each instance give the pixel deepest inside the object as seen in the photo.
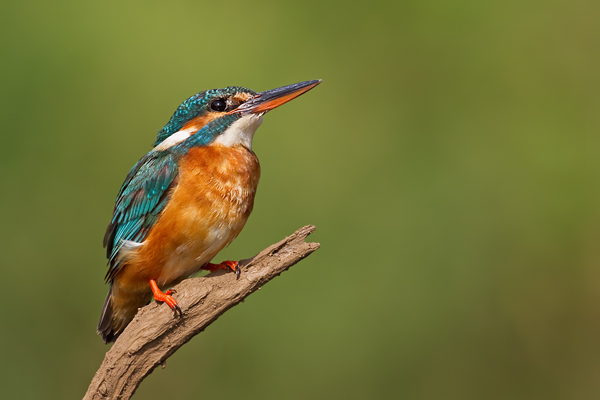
(207, 210)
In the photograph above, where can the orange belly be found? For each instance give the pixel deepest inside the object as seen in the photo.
(207, 210)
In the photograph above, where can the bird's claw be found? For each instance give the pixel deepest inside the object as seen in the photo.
(165, 297)
(226, 265)
(177, 310)
(171, 302)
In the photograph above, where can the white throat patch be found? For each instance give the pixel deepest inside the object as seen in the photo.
(241, 132)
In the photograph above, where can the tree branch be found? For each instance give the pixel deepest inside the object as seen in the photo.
(155, 333)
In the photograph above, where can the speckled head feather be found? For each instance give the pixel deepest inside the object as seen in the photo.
(194, 107)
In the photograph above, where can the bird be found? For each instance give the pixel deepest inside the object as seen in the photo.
(185, 200)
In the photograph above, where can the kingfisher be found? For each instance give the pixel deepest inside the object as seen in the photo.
(185, 200)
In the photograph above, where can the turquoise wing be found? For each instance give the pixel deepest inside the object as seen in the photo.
(140, 201)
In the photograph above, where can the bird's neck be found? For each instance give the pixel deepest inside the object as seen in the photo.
(236, 131)
(240, 133)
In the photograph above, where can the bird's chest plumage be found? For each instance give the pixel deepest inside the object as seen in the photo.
(207, 210)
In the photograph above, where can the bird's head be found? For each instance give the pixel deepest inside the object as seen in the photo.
(228, 116)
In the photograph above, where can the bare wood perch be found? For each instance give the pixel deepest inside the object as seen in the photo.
(155, 334)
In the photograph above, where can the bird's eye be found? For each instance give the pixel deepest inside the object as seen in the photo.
(218, 105)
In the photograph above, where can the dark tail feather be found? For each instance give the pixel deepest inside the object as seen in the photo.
(105, 326)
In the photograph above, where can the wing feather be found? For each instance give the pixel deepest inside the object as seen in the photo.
(140, 201)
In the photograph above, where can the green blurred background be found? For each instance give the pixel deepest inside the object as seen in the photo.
(450, 161)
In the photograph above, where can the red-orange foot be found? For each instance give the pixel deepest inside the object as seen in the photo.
(226, 265)
(164, 297)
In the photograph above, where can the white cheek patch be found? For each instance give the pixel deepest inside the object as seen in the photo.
(175, 138)
(241, 132)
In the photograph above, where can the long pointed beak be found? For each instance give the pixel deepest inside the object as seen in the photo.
(270, 99)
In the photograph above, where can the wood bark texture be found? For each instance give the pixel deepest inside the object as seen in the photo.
(156, 333)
